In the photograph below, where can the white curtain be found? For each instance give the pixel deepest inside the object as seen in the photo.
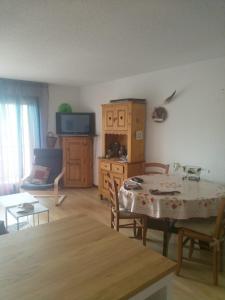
(20, 120)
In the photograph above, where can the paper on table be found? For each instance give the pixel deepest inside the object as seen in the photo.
(157, 192)
(169, 184)
(132, 185)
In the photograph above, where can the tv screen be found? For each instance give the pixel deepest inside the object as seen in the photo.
(75, 123)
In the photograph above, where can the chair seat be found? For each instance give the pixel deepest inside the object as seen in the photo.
(204, 226)
(126, 214)
(32, 186)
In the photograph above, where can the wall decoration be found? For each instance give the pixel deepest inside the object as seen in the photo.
(65, 108)
(160, 114)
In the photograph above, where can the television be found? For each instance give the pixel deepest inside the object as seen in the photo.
(75, 123)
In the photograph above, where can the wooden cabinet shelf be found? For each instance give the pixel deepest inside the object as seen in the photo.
(123, 124)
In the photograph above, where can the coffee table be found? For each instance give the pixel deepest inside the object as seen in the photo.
(13, 200)
(38, 209)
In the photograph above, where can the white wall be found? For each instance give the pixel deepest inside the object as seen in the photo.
(194, 132)
(61, 94)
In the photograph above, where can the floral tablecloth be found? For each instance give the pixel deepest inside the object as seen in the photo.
(195, 200)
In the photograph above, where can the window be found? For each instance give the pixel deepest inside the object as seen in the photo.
(19, 135)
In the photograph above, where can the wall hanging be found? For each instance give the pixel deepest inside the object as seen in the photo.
(160, 114)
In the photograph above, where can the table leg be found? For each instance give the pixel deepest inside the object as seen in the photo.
(6, 220)
(160, 290)
(166, 238)
(38, 218)
(33, 220)
(48, 216)
(17, 224)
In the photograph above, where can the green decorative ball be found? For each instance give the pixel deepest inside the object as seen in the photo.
(65, 108)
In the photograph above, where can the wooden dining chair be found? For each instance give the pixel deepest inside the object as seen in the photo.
(211, 231)
(156, 168)
(137, 221)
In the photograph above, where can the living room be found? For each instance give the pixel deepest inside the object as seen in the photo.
(88, 53)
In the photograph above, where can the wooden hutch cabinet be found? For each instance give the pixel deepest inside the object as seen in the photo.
(78, 160)
(124, 124)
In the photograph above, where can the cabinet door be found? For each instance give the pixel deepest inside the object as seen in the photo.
(120, 117)
(78, 162)
(115, 117)
(73, 162)
(108, 117)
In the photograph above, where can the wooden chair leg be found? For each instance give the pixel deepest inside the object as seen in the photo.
(139, 233)
(135, 228)
(117, 223)
(112, 220)
(221, 256)
(144, 229)
(215, 265)
(191, 248)
(179, 251)
(60, 198)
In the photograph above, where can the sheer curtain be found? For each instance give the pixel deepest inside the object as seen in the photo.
(19, 132)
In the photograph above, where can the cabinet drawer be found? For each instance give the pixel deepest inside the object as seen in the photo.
(105, 166)
(117, 168)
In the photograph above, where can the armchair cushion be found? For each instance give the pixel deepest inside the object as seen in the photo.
(32, 186)
(39, 175)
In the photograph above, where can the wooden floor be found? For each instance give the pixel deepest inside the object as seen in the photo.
(195, 281)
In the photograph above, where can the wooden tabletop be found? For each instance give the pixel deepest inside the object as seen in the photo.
(76, 258)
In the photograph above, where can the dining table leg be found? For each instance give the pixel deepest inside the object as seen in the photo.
(166, 237)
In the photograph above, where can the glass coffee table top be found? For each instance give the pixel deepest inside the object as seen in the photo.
(17, 211)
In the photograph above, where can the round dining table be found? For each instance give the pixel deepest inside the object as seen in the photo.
(169, 196)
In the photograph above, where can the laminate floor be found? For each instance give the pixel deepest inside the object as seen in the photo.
(195, 281)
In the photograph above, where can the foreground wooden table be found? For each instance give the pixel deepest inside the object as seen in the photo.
(79, 258)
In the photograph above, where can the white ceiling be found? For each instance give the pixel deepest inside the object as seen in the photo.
(76, 42)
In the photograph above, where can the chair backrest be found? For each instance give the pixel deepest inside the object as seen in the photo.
(156, 168)
(51, 158)
(113, 192)
(220, 221)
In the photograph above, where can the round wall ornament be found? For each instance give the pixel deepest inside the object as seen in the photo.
(159, 114)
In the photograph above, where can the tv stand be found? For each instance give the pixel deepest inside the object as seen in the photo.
(78, 160)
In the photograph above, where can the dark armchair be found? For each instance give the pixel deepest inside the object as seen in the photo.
(52, 159)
